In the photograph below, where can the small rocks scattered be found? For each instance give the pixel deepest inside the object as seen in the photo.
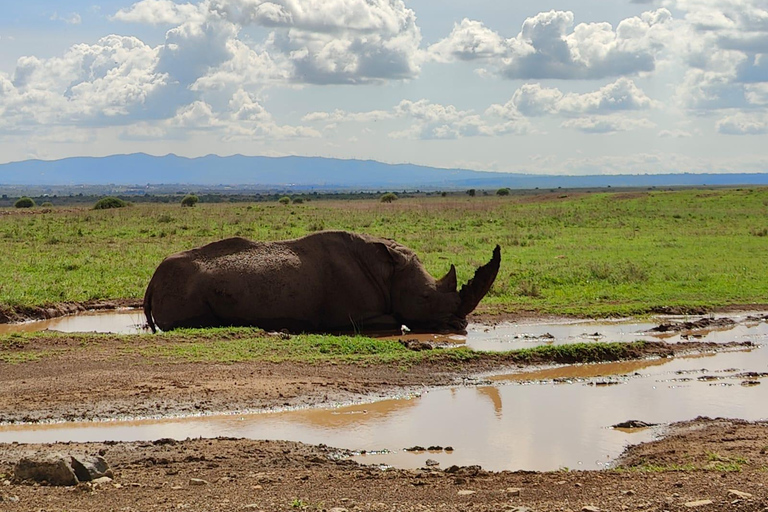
(703, 323)
(634, 424)
(698, 503)
(416, 345)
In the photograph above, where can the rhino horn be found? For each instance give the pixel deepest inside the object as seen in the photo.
(447, 283)
(473, 292)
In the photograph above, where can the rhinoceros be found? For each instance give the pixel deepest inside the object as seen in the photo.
(326, 282)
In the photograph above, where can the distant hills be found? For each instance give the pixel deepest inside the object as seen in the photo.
(319, 174)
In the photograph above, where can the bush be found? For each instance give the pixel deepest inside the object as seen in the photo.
(109, 202)
(502, 192)
(284, 200)
(47, 204)
(24, 202)
(388, 197)
(298, 200)
(189, 200)
(471, 192)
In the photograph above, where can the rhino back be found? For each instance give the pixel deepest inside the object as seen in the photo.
(322, 281)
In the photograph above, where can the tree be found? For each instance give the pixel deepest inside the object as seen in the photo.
(189, 200)
(106, 203)
(502, 192)
(388, 197)
(284, 200)
(471, 192)
(24, 202)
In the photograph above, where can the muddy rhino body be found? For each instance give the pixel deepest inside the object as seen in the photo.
(331, 281)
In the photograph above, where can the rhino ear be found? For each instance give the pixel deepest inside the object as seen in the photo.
(447, 283)
(473, 292)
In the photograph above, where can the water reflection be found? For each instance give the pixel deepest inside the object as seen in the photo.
(535, 420)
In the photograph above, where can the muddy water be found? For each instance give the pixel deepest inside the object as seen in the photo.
(128, 321)
(543, 419)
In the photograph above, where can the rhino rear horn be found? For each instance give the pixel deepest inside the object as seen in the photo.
(473, 292)
(447, 283)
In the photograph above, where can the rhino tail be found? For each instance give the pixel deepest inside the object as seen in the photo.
(148, 308)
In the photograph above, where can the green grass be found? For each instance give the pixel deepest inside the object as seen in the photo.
(588, 255)
(236, 345)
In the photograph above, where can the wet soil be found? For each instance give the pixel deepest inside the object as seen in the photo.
(100, 380)
(698, 465)
(236, 474)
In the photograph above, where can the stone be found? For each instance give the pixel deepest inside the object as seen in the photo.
(513, 491)
(698, 503)
(8, 498)
(589, 508)
(465, 492)
(739, 494)
(338, 509)
(54, 469)
(102, 480)
(197, 481)
(432, 462)
(89, 468)
(519, 509)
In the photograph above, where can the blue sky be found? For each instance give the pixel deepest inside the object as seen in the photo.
(556, 87)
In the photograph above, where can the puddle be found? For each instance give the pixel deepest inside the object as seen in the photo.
(543, 419)
(128, 321)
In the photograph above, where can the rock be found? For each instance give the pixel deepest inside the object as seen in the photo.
(628, 492)
(513, 491)
(197, 481)
(338, 509)
(698, 503)
(8, 498)
(432, 462)
(465, 492)
(589, 508)
(102, 480)
(739, 494)
(634, 424)
(89, 468)
(54, 469)
(251, 506)
(519, 509)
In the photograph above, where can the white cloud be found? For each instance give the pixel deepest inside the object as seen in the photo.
(160, 12)
(606, 124)
(535, 100)
(743, 124)
(70, 19)
(547, 48)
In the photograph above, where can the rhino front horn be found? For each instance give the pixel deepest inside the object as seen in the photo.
(473, 292)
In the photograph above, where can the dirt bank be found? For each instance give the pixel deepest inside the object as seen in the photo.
(72, 378)
(726, 465)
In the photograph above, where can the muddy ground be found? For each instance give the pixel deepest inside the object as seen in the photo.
(704, 464)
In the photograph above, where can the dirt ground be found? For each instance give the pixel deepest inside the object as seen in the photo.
(704, 464)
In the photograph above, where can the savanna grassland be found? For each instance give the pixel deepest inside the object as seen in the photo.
(586, 254)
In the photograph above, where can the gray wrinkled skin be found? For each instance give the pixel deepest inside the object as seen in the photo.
(330, 282)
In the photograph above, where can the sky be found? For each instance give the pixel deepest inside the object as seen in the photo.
(544, 87)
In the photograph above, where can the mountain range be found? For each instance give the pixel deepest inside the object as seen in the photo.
(315, 173)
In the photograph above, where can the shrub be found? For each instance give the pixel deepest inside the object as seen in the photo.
(502, 192)
(47, 204)
(24, 202)
(109, 202)
(388, 197)
(298, 200)
(189, 200)
(284, 200)
(471, 192)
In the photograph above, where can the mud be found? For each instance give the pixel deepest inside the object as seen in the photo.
(232, 474)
